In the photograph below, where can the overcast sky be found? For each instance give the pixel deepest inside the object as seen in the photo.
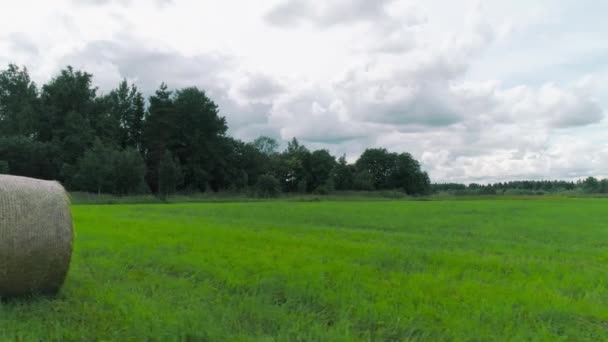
(478, 91)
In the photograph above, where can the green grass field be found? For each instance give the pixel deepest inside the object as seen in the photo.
(468, 270)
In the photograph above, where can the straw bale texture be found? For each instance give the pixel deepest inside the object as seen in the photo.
(35, 236)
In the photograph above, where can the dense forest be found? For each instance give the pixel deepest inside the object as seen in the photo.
(176, 140)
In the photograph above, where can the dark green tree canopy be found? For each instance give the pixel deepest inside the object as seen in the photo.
(122, 116)
(69, 93)
(176, 141)
(393, 171)
(18, 102)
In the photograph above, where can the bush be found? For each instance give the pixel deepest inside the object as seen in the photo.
(325, 188)
(30, 158)
(321, 190)
(103, 169)
(302, 186)
(170, 175)
(128, 172)
(363, 181)
(3, 167)
(93, 172)
(267, 186)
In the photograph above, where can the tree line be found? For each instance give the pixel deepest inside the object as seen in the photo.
(589, 185)
(176, 140)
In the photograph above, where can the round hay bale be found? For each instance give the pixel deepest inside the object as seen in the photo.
(35, 236)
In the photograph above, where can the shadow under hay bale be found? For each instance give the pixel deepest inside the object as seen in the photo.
(35, 236)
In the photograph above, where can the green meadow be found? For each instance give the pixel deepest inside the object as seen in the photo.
(365, 270)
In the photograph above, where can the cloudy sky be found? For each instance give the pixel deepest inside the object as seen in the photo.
(478, 91)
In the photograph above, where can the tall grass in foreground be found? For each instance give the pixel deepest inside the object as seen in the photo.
(330, 271)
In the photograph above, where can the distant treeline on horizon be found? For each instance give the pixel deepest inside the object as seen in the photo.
(590, 185)
(176, 140)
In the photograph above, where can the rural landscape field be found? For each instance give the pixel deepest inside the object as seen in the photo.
(303, 170)
(369, 270)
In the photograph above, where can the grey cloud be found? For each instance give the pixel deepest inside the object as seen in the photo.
(388, 32)
(548, 105)
(121, 2)
(324, 14)
(290, 13)
(353, 11)
(418, 95)
(260, 87)
(253, 131)
(579, 114)
(314, 115)
(427, 105)
(22, 43)
(243, 115)
(393, 45)
(148, 66)
(98, 2)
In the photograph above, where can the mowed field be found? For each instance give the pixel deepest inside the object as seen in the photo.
(462, 270)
